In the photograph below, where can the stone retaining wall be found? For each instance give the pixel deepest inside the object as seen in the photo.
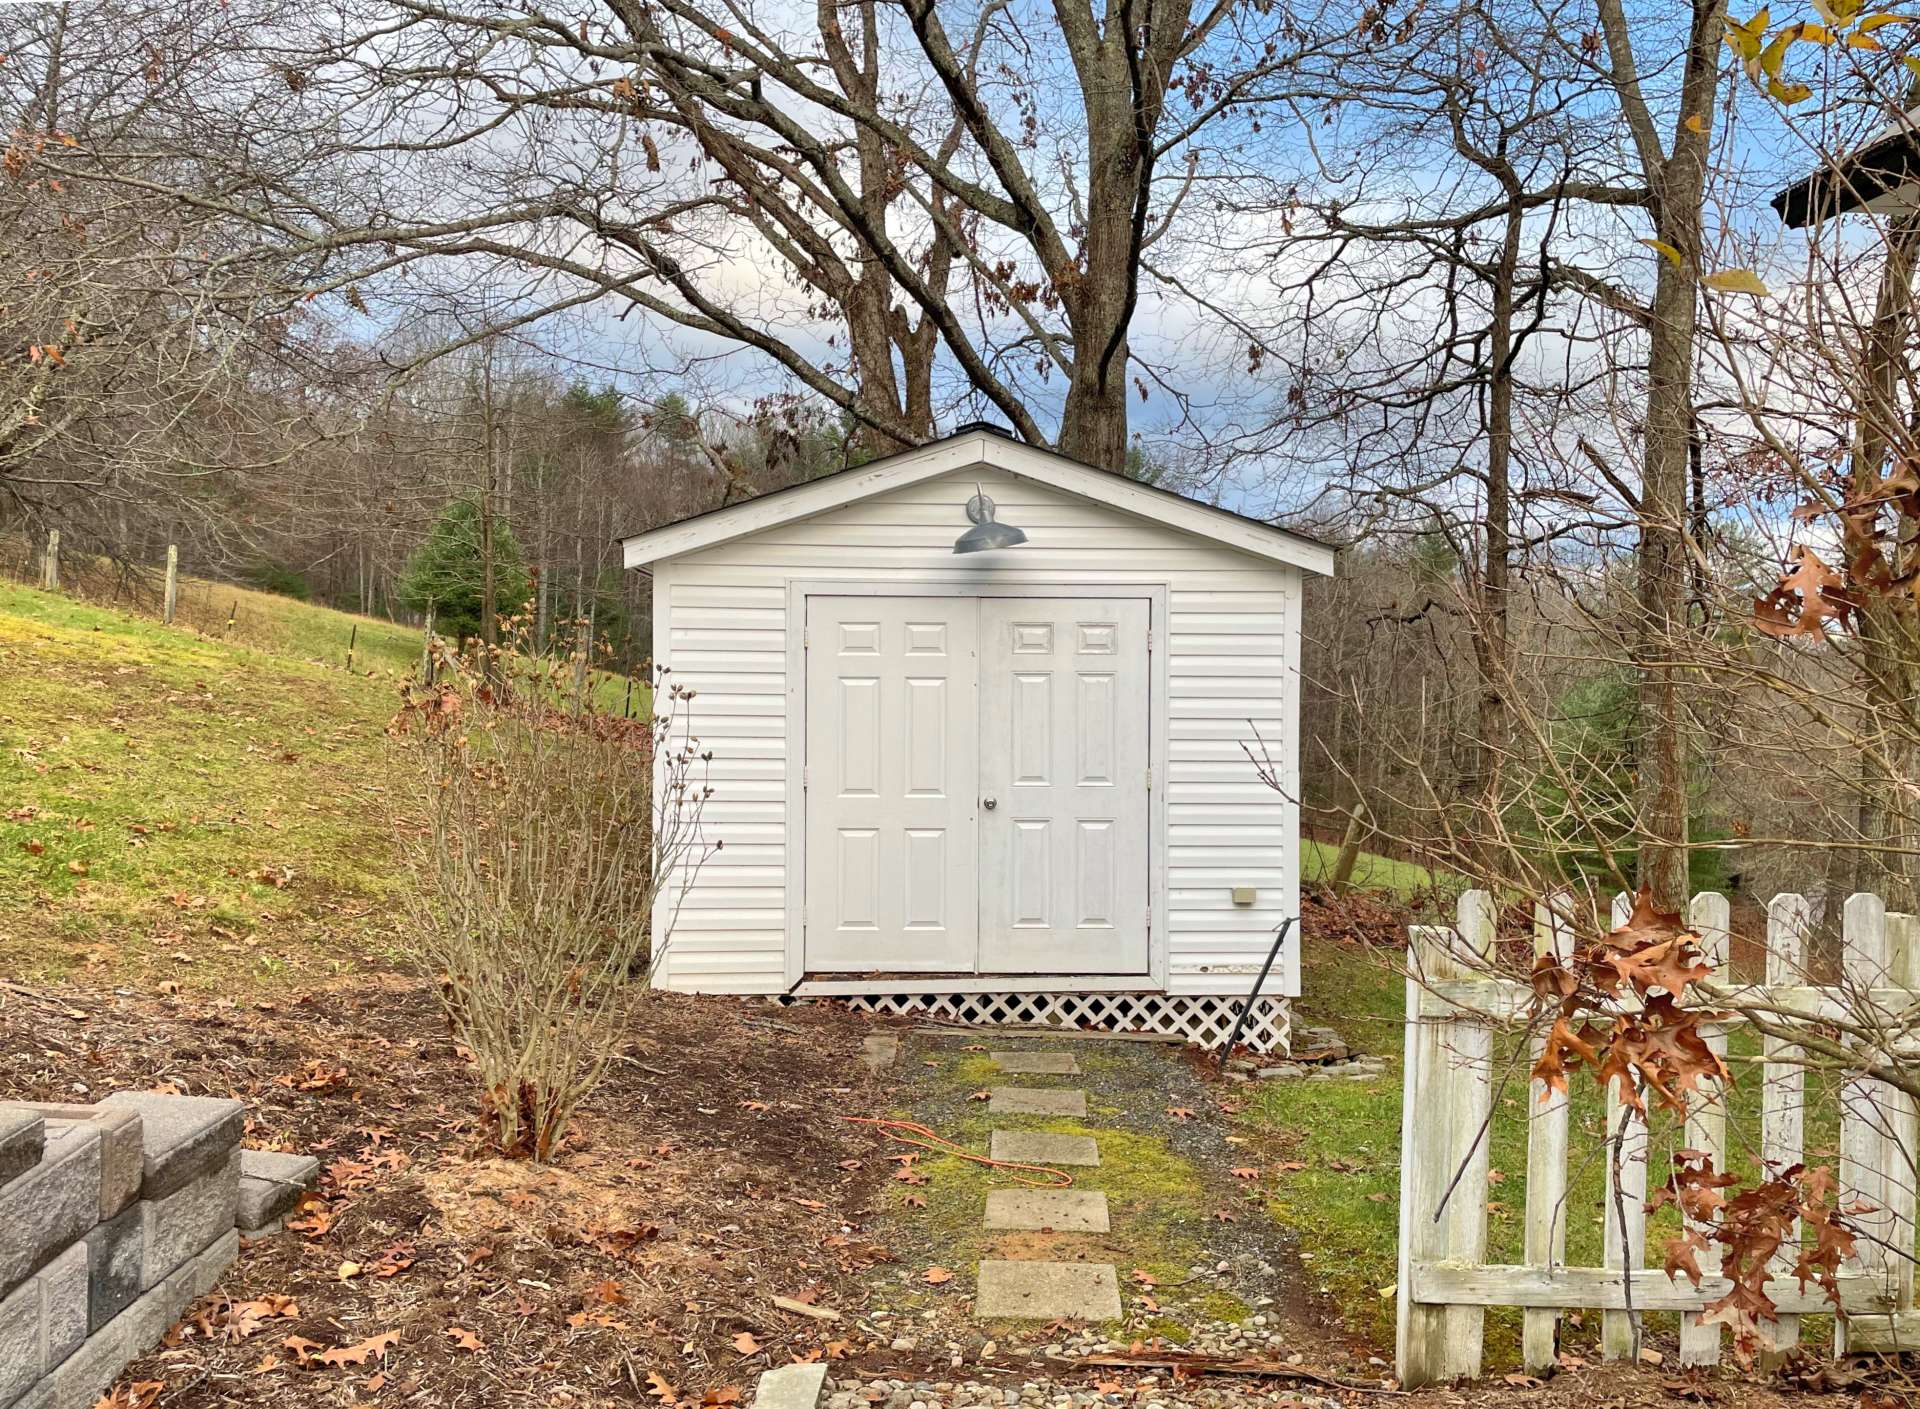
(113, 1219)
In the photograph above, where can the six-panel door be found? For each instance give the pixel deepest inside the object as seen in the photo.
(1064, 886)
(891, 766)
(977, 796)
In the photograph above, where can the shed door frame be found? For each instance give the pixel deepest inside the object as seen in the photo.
(1156, 596)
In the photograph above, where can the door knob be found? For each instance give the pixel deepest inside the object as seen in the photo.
(990, 803)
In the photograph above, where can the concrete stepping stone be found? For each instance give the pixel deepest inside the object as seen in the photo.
(1036, 1100)
(1038, 1147)
(1047, 1210)
(1047, 1291)
(790, 1387)
(880, 1051)
(1036, 1063)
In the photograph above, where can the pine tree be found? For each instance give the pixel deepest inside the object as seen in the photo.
(446, 572)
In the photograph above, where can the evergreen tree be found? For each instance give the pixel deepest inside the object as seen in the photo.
(446, 571)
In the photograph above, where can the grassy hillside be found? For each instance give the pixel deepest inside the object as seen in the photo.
(1370, 871)
(190, 808)
(282, 626)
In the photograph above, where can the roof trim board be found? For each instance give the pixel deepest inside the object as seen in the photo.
(966, 451)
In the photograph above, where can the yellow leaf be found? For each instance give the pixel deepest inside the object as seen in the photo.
(1789, 93)
(1913, 65)
(1736, 281)
(1847, 9)
(1696, 123)
(1826, 12)
(1775, 54)
(1873, 22)
(1857, 40)
(1666, 249)
(1745, 36)
(1816, 33)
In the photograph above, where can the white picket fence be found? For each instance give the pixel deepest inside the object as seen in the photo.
(1453, 1013)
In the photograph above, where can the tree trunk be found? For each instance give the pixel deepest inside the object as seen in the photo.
(489, 627)
(1890, 652)
(1122, 94)
(1490, 623)
(1676, 176)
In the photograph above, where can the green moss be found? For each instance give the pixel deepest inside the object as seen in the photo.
(1158, 1201)
(1167, 1329)
(1222, 1306)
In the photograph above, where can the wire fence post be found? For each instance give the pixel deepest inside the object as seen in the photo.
(170, 602)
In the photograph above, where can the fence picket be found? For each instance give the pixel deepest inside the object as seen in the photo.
(1706, 1123)
(1624, 1206)
(1903, 953)
(1446, 1103)
(1453, 1009)
(1783, 1084)
(1864, 1114)
(1546, 1230)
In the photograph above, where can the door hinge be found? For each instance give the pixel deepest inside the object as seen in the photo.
(806, 775)
(1149, 777)
(1149, 638)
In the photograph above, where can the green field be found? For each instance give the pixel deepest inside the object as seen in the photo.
(197, 803)
(1370, 872)
(184, 807)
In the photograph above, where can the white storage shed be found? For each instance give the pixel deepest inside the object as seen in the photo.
(1004, 780)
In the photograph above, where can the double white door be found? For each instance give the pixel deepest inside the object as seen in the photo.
(977, 785)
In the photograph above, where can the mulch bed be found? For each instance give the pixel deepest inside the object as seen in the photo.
(709, 1173)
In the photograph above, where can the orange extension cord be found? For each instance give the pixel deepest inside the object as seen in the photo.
(917, 1134)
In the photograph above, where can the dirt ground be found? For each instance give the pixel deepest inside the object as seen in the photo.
(711, 1173)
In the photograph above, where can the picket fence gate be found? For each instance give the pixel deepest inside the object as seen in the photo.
(1454, 1010)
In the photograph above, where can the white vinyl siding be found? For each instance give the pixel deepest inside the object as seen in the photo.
(1232, 651)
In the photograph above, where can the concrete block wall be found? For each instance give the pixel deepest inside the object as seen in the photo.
(113, 1219)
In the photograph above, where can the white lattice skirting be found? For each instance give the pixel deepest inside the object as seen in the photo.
(1202, 1020)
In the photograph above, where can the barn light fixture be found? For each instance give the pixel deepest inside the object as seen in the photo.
(985, 533)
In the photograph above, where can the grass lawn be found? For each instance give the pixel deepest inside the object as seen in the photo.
(1370, 872)
(1346, 1134)
(185, 808)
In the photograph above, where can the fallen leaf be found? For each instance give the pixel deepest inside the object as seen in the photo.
(936, 1275)
(1245, 1172)
(746, 1344)
(463, 1339)
(360, 1352)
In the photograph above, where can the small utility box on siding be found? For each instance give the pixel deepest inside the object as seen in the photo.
(1007, 783)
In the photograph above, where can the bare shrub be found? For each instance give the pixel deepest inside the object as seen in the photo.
(551, 826)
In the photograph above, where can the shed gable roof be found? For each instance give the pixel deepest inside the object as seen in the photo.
(967, 450)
